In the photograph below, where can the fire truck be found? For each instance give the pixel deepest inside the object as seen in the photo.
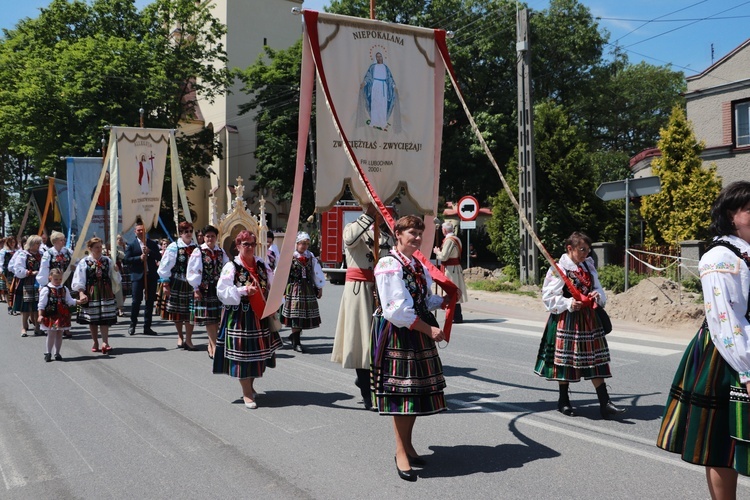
(332, 224)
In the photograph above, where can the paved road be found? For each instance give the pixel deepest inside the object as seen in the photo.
(151, 421)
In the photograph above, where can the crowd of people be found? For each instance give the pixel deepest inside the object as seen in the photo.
(386, 330)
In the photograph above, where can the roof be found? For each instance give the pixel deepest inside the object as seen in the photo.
(721, 61)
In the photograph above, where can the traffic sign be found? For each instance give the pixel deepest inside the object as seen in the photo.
(629, 188)
(468, 208)
(468, 224)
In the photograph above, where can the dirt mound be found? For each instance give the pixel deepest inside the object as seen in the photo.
(656, 301)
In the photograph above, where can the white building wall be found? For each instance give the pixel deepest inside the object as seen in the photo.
(250, 24)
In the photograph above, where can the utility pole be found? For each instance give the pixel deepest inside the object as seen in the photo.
(529, 254)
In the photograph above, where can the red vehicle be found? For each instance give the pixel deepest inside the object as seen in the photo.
(332, 224)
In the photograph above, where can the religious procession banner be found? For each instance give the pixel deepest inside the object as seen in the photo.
(140, 168)
(83, 176)
(391, 130)
(385, 82)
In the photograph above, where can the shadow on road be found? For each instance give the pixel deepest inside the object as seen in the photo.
(280, 399)
(464, 460)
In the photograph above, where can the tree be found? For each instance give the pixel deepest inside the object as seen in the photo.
(79, 67)
(681, 210)
(273, 82)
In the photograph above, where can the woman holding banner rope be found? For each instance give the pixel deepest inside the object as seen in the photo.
(573, 345)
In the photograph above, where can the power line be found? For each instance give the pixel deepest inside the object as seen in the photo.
(657, 18)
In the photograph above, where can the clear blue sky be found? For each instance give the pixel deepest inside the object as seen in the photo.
(679, 32)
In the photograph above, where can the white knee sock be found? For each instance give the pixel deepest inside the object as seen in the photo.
(50, 341)
(58, 341)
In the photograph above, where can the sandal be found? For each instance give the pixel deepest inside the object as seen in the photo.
(106, 348)
(95, 348)
(24, 334)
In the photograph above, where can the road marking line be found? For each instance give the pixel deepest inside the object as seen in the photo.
(619, 346)
(520, 412)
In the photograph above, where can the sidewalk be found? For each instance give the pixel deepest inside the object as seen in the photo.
(522, 307)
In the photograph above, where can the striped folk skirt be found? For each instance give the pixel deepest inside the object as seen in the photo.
(406, 372)
(300, 308)
(206, 311)
(101, 308)
(127, 285)
(707, 415)
(244, 343)
(177, 305)
(3, 283)
(26, 294)
(573, 346)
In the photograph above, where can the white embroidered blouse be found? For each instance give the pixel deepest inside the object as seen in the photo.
(726, 284)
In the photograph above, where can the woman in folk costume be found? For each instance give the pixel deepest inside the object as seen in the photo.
(407, 373)
(6, 275)
(25, 265)
(178, 294)
(573, 344)
(304, 287)
(351, 344)
(95, 279)
(450, 259)
(56, 257)
(707, 415)
(54, 312)
(204, 269)
(245, 345)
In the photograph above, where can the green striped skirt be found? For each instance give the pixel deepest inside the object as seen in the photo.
(406, 371)
(244, 343)
(573, 346)
(707, 415)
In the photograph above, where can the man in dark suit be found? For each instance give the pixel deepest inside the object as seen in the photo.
(143, 259)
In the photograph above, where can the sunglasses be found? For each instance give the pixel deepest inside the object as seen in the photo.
(187, 231)
(248, 244)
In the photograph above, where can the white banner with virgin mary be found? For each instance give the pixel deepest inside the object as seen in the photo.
(141, 161)
(385, 82)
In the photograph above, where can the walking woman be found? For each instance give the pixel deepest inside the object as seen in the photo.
(25, 266)
(245, 345)
(178, 294)
(303, 289)
(95, 280)
(204, 269)
(573, 345)
(406, 370)
(708, 410)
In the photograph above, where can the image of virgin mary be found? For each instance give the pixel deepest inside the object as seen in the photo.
(378, 105)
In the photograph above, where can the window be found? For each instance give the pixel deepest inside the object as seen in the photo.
(742, 124)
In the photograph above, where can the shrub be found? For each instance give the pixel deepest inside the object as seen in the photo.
(613, 278)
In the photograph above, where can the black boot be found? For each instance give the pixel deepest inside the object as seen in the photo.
(363, 382)
(458, 316)
(607, 407)
(297, 345)
(563, 403)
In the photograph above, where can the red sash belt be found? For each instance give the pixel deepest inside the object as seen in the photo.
(452, 262)
(357, 274)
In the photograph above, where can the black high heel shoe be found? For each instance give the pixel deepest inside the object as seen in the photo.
(407, 475)
(416, 461)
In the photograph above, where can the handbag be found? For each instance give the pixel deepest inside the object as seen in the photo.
(603, 319)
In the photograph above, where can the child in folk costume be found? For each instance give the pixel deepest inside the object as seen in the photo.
(204, 269)
(25, 266)
(54, 312)
(96, 279)
(56, 257)
(177, 292)
(304, 287)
